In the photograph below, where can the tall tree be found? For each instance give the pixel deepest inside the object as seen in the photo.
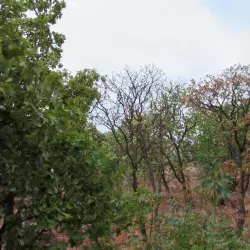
(53, 175)
(126, 99)
(225, 99)
(175, 126)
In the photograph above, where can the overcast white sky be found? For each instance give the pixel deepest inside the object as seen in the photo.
(185, 38)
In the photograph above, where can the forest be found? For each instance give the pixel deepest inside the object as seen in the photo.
(132, 160)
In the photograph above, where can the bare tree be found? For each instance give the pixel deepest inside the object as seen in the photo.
(126, 99)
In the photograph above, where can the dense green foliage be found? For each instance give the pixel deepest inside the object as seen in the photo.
(195, 232)
(53, 174)
(61, 176)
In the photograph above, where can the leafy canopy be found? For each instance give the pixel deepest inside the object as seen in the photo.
(53, 174)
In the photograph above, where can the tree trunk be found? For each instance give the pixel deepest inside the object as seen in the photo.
(242, 210)
(10, 234)
(143, 232)
(135, 187)
(241, 217)
(159, 181)
(165, 183)
(159, 190)
(150, 171)
(134, 181)
(151, 176)
(144, 151)
(186, 193)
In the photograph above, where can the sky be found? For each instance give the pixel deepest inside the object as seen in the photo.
(185, 38)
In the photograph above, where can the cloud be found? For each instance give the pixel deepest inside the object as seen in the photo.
(182, 37)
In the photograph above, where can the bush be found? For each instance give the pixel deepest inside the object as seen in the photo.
(192, 231)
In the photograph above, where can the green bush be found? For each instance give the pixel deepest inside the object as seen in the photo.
(134, 208)
(190, 231)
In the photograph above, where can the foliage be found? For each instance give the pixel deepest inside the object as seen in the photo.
(134, 208)
(175, 125)
(225, 99)
(53, 174)
(60, 175)
(210, 152)
(219, 189)
(191, 231)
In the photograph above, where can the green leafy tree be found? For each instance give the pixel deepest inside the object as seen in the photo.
(211, 152)
(54, 176)
(211, 155)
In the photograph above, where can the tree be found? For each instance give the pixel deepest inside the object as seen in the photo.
(126, 99)
(211, 151)
(225, 99)
(53, 174)
(175, 126)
